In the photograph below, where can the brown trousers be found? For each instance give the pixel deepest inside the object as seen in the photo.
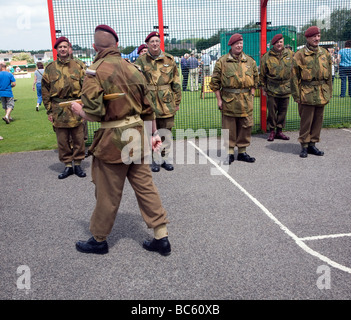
(277, 109)
(239, 131)
(109, 181)
(311, 123)
(64, 136)
(164, 123)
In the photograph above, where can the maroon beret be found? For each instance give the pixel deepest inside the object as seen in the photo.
(152, 34)
(108, 29)
(141, 47)
(235, 38)
(59, 40)
(311, 31)
(276, 38)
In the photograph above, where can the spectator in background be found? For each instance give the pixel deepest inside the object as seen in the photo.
(7, 82)
(205, 65)
(332, 54)
(193, 65)
(185, 71)
(38, 74)
(344, 59)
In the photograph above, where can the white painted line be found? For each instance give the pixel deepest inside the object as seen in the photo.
(340, 235)
(298, 241)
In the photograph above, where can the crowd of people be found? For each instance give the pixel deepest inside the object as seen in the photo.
(194, 69)
(147, 96)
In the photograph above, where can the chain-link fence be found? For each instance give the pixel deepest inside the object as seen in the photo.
(203, 27)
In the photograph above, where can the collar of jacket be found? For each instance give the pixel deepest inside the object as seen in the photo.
(106, 52)
(282, 53)
(242, 57)
(59, 60)
(160, 56)
(309, 52)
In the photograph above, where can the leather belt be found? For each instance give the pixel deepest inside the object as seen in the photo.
(236, 90)
(120, 123)
(152, 87)
(313, 83)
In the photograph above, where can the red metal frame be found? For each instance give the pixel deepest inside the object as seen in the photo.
(160, 24)
(263, 47)
(263, 44)
(52, 28)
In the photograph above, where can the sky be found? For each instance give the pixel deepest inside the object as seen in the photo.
(25, 24)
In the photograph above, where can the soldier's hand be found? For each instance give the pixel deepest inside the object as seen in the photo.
(76, 108)
(50, 118)
(176, 108)
(264, 93)
(220, 104)
(156, 142)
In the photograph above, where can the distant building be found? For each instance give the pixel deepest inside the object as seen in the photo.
(6, 57)
(39, 57)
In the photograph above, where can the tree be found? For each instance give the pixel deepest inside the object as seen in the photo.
(336, 27)
(128, 50)
(23, 56)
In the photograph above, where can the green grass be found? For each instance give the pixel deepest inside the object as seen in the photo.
(32, 131)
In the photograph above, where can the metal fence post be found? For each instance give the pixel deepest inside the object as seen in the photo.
(263, 51)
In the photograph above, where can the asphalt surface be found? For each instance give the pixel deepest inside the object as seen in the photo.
(236, 233)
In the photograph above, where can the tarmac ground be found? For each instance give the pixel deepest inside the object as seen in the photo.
(276, 229)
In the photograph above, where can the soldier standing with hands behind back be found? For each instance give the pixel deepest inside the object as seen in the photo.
(311, 87)
(161, 73)
(275, 73)
(234, 81)
(62, 81)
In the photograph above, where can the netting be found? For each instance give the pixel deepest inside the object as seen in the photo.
(204, 26)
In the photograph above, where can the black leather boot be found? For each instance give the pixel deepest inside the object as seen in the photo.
(314, 150)
(79, 172)
(92, 246)
(155, 167)
(303, 153)
(67, 172)
(162, 246)
(167, 166)
(245, 157)
(229, 160)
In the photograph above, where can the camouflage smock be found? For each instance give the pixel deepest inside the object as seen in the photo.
(162, 76)
(62, 81)
(311, 80)
(110, 73)
(275, 72)
(235, 73)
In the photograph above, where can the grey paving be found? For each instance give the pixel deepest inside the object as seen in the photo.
(224, 246)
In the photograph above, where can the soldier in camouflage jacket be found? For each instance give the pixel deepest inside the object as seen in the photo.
(161, 73)
(118, 146)
(311, 88)
(275, 73)
(62, 81)
(234, 81)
